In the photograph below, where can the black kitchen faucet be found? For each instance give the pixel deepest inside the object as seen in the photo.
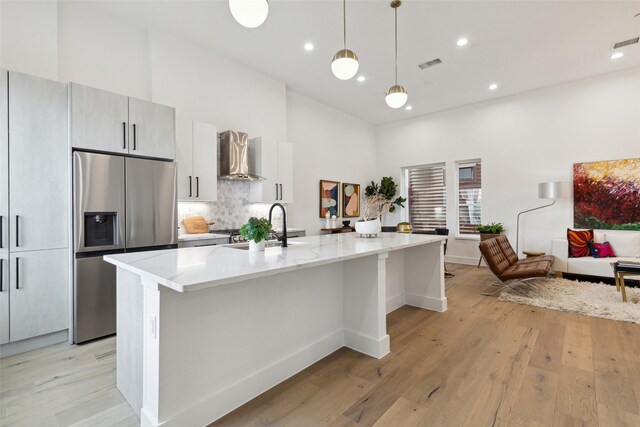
(282, 238)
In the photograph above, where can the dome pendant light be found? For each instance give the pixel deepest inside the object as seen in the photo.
(344, 64)
(397, 95)
(249, 13)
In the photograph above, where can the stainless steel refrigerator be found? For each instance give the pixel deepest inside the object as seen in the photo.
(121, 204)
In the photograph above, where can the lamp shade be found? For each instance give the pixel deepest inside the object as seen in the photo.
(249, 13)
(396, 96)
(345, 64)
(554, 190)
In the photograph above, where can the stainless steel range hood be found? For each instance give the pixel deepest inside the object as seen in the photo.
(234, 157)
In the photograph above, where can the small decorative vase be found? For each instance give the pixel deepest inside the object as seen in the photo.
(256, 247)
(369, 228)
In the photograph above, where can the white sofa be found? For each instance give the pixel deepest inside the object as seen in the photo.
(628, 243)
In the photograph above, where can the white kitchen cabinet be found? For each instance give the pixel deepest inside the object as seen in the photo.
(38, 163)
(39, 297)
(4, 207)
(108, 122)
(197, 159)
(4, 297)
(152, 131)
(272, 160)
(34, 205)
(99, 119)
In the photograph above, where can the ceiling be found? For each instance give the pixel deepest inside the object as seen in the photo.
(520, 45)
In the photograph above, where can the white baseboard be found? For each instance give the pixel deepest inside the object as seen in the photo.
(226, 400)
(461, 260)
(395, 302)
(429, 303)
(370, 346)
(13, 348)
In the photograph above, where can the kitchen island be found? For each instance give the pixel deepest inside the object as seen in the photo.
(203, 330)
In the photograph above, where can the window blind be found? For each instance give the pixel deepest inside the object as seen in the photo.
(469, 197)
(427, 197)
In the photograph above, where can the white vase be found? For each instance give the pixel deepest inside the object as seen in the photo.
(368, 228)
(256, 247)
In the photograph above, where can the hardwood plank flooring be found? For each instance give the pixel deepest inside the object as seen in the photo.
(483, 362)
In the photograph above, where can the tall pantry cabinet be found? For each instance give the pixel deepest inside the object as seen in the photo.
(34, 207)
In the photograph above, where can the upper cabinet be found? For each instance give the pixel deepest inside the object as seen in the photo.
(198, 164)
(152, 131)
(108, 122)
(273, 160)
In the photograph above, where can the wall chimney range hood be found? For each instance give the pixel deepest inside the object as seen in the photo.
(234, 157)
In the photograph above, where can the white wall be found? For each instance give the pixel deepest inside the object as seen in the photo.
(327, 144)
(522, 140)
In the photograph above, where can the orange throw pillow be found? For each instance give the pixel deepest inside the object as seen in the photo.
(579, 242)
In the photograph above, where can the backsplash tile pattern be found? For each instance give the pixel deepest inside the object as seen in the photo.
(232, 209)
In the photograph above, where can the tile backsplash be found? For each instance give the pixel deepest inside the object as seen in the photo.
(232, 209)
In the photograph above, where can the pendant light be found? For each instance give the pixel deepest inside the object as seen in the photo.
(249, 13)
(345, 62)
(397, 95)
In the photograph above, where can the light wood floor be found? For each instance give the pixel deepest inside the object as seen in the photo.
(482, 363)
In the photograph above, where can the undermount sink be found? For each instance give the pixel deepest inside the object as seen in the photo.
(270, 244)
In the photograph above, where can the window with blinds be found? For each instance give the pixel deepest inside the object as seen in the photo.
(427, 197)
(469, 174)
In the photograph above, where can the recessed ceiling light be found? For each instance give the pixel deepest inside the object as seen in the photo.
(493, 86)
(408, 108)
(361, 78)
(462, 41)
(617, 55)
(309, 46)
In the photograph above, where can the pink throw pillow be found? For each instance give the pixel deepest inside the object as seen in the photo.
(601, 250)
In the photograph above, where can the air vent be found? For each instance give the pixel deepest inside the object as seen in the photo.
(626, 43)
(429, 64)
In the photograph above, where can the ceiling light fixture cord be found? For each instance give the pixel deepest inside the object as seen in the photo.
(344, 21)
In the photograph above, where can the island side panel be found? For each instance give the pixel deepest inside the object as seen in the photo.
(129, 337)
(395, 281)
(365, 323)
(424, 276)
(222, 346)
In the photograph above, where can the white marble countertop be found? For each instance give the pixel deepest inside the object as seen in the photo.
(190, 269)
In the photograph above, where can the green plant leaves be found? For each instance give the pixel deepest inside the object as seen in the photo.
(257, 229)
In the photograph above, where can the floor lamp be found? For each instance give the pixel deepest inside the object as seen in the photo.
(546, 190)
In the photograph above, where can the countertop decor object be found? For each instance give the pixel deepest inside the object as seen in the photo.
(257, 232)
(196, 224)
(346, 223)
(403, 227)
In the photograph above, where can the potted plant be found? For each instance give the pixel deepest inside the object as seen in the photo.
(379, 200)
(257, 232)
(488, 231)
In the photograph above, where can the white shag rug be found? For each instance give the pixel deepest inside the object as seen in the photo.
(591, 299)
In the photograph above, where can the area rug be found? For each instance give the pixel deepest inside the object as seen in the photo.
(590, 299)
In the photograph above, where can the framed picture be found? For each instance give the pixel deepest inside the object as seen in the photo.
(329, 198)
(350, 200)
(605, 195)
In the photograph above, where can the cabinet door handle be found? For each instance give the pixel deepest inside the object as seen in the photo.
(124, 135)
(134, 138)
(197, 186)
(190, 187)
(276, 191)
(17, 231)
(1, 275)
(281, 193)
(17, 273)
(1, 232)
